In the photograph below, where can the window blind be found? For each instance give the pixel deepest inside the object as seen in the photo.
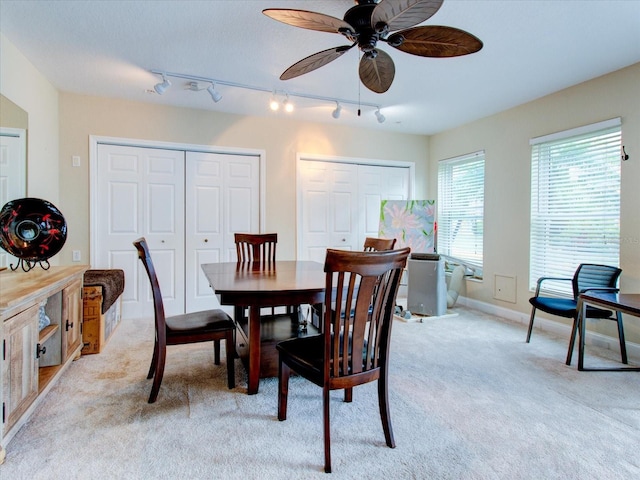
(575, 204)
(461, 207)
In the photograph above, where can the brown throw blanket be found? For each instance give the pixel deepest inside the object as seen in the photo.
(111, 281)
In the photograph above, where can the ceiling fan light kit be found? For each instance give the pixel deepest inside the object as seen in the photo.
(371, 21)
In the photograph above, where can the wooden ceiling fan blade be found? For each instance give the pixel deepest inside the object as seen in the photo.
(313, 62)
(377, 73)
(308, 20)
(436, 41)
(402, 14)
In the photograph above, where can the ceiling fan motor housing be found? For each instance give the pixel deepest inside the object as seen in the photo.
(359, 17)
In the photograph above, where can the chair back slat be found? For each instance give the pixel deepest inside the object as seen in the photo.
(252, 247)
(359, 309)
(589, 275)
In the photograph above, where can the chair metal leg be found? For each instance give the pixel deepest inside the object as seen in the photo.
(284, 372)
(385, 415)
(623, 345)
(327, 430)
(158, 374)
(533, 314)
(572, 340)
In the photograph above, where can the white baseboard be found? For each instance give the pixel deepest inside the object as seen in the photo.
(556, 328)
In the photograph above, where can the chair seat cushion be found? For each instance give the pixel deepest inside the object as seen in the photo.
(205, 321)
(307, 351)
(565, 307)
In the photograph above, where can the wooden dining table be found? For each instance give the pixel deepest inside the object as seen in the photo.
(256, 285)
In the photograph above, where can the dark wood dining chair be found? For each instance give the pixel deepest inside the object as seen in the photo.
(204, 326)
(259, 250)
(353, 349)
(256, 247)
(372, 244)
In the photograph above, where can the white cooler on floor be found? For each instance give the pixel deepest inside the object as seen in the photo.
(427, 287)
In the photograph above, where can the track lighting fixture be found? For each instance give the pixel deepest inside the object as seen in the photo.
(215, 95)
(336, 113)
(195, 81)
(161, 87)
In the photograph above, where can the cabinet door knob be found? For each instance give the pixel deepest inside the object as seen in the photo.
(40, 350)
(68, 325)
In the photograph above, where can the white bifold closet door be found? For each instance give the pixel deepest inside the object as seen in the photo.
(339, 203)
(186, 204)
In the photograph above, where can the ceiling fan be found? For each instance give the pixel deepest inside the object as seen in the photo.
(369, 22)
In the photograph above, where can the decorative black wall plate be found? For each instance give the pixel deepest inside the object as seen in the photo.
(32, 229)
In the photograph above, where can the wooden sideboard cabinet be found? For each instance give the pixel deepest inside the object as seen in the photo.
(33, 357)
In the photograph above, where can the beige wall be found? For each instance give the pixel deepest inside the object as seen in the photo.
(505, 139)
(25, 86)
(281, 139)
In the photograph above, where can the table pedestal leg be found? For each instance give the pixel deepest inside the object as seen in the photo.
(254, 350)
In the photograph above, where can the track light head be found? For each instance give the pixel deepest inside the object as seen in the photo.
(215, 95)
(336, 113)
(161, 87)
(380, 116)
(288, 106)
(274, 104)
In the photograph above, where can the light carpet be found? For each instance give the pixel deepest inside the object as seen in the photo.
(469, 400)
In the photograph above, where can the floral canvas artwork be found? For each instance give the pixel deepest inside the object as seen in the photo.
(410, 222)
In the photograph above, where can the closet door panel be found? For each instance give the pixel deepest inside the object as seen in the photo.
(241, 200)
(327, 199)
(204, 213)
(221, 198)
(140, 192)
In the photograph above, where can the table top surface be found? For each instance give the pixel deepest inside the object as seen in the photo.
(625, 302)
(262, 278)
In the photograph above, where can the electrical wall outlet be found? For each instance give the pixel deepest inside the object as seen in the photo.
(76, 256)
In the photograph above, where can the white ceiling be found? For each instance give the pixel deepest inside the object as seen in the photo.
(531, 48)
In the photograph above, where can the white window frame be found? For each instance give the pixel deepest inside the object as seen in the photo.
(575, 202)
(460, 222)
